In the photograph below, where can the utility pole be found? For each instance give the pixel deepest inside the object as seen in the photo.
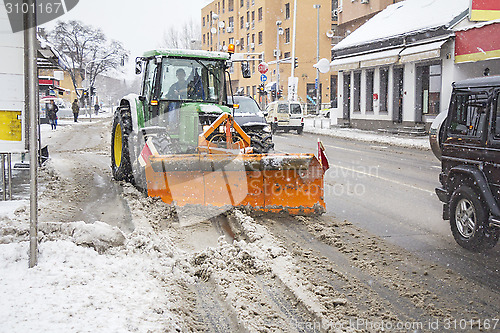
(279, 31)
(32, 107)
(317, 60)
(291, 81)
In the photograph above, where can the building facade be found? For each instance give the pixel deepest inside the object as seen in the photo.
(252, 26)
(396, 71)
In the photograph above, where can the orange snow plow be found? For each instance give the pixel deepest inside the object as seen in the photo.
(224, 172)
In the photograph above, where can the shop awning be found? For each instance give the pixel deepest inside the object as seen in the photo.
(422, 52)
(373, 59)
(484, 10)
(477, 44)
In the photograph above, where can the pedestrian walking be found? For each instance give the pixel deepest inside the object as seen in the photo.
(76, 109)
(52, 114)
(96, 109)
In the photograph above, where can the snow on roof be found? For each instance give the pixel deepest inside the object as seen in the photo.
(188, 53)
(404, 17)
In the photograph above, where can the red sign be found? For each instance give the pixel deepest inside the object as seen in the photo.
(263, 68)
(478, 43)
(484, 10)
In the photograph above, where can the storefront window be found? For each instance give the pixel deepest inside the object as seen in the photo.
(430, 91)
(384, 84)
(369, 90)
(357, 92)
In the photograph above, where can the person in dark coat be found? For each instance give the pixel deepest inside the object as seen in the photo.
(76, 109)
(52, 114)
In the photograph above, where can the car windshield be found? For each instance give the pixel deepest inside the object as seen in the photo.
(295, 109)
(196, 80)
(246, 105)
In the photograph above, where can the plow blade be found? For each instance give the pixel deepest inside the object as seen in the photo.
(291, 183)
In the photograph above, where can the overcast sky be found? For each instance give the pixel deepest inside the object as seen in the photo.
(138, 24)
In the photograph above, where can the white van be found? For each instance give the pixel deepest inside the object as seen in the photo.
(285, 116)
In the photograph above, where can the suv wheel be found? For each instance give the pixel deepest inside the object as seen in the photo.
(469, 221)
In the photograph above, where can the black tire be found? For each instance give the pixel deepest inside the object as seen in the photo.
(120, 155)
(300, 130)
(257, 143)
(267, 140)
(469, 220)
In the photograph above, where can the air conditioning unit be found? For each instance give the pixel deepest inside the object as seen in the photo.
(252, 46)
(229, 29)
(335, 12)
(276, 53)
(237, 42)
(247, 25)
(365, 1)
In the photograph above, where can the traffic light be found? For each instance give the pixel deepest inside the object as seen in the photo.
(261, 89)
(296, 62)
(280, 93)
(92, 91)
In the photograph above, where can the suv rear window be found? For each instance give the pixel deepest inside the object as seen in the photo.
(283, 108)
(469, 114)
(497, 118)
(295, 109)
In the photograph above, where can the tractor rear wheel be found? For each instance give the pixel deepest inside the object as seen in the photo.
(120, 155)
(260, 141)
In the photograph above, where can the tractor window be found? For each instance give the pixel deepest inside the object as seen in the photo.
(149, 79)
(196, 80)
(469, 115)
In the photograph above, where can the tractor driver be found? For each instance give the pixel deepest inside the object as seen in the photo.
(178, 90)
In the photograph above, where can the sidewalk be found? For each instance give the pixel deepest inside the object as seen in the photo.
(366, 136)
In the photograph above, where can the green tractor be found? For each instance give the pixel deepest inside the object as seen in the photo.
(178, 140)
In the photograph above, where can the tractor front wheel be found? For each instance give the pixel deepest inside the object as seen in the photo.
(120, 155)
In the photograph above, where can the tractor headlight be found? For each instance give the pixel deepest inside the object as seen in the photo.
(267, 129)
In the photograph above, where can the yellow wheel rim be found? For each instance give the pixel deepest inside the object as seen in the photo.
(118, 145)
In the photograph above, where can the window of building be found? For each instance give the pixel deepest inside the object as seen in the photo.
(223, 6)
(231, 40)
(369, 90)
(203, 20)
(253, 19)
(242, 3)
(357, 92)
(203, 38)
(259, 14)
(384, 89)
(253, 67)
(333, 91)
(248, 4)
(231, 22)
(287, 11)
(248, 16)
(254, 91)
(260, 37)
(242, 22)
(218, 7)
(287, 35)
(230, 5)
(242, 43)
(287, 55)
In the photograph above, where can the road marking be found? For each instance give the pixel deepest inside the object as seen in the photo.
(382, 178)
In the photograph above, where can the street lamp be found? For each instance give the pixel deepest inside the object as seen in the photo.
(279, 31)
(316, 85)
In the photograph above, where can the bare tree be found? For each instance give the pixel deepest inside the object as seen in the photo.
(86, 51)
(183, 37)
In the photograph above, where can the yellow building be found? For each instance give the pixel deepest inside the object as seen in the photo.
(252, 26)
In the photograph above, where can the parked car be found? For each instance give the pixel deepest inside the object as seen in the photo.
(469, 143)
(249, 116)
(285, 116)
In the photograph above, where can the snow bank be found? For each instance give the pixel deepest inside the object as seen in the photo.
(360, 135)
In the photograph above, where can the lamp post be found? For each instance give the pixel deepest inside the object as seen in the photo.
(316, 85)
(279, 31)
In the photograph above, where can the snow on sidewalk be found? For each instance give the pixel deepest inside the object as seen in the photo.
(366, 136)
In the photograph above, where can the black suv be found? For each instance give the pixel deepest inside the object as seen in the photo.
(470, 155)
